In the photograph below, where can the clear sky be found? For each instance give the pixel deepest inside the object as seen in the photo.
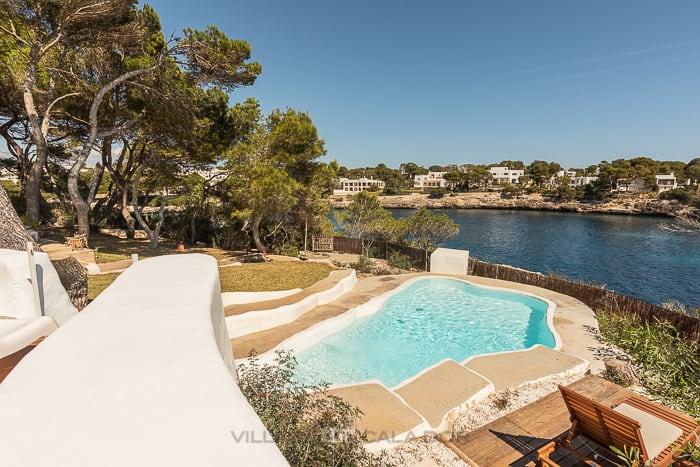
(466, 81)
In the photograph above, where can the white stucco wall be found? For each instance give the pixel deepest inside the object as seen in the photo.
(143, 376)
(256, 321)
(449, 261)
(238, 298)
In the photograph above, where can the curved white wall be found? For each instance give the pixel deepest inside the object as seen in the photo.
(256, 321)
(143, 376)
(238, 298)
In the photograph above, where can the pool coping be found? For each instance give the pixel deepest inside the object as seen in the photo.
(573, 325)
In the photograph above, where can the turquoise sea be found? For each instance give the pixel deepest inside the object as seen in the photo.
(629, 254)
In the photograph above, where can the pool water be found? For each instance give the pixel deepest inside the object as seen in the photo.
(428, 321)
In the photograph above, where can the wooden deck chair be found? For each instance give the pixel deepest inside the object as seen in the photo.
(636, 422)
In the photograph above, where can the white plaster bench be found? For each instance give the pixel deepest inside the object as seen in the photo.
(143, 376)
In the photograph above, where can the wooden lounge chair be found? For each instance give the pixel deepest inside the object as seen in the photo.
(636, 422)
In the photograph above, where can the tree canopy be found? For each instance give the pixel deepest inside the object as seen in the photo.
(89, 70)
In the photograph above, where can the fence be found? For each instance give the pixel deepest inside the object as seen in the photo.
(595, 297)
(420, 259)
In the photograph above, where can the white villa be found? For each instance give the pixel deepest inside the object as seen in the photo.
(574, 181)
(565, 173)
(502, 175)
(666, 182)
(349, 186)
(431, 180)
(581, 181)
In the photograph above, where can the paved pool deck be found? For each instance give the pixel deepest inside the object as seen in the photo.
(423, 404)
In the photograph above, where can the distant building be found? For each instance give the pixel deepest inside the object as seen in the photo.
(581, 181)
(574, 181)
(350, 186)
(666, 182)
(565, 173)
(431, 180)
(212, 174)
(7, 175)
(503, 175)
(625, 185)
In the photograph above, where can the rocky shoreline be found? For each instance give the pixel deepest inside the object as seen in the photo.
(534, 202)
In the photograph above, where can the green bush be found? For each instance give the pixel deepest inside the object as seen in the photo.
(437, 193)
(363, 265)
(310, 426)
(670, 366)
(373, 252)
(289, 250)
(681, 195)
(399, 261)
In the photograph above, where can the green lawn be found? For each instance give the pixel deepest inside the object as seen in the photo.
(97, 283)
(275, 275)
(108, 248)
(259, 277)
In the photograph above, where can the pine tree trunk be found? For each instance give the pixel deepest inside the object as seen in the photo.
(13, 235)
(256, 235)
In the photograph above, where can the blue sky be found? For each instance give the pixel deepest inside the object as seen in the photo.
(460, 81)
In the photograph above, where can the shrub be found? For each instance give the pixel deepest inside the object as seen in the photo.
(510, 191)
(310, 426)
(669, 365)
(398, 260)
(679, 194)
(437, 193)
(373, 252)
(363, 265)
(289, 250)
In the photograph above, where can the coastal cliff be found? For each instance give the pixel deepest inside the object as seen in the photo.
(535, 202)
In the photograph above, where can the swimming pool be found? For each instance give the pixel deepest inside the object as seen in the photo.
(427, 320)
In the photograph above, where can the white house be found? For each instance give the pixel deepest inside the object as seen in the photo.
(431, 180)
(625, 185)
(574, 181)
(565, 173)
(350, 186)
(665, 182)
(502, 175)
(581, 181)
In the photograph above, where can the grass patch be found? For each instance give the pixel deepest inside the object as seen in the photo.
(108, 248)
(275, 275)
(261, 277)
(97, 283)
